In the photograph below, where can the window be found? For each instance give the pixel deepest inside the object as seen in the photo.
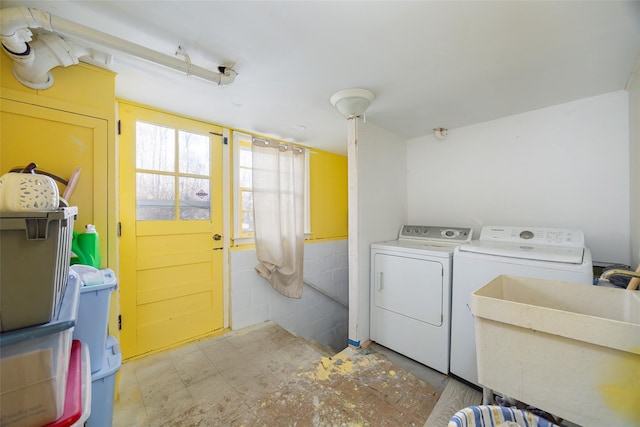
(243, 194)
(171, 165)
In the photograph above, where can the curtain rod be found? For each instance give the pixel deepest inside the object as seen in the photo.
(267, 142)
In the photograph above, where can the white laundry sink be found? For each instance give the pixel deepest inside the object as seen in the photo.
(569, 349)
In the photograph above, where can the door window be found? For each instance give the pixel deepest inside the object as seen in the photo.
(172, 174)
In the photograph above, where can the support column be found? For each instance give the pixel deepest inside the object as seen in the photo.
(352, 163)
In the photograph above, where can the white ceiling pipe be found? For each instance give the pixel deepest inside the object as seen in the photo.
(71, 29)
(14, 27)
(34, 57)
(34, 18)
(47, 52)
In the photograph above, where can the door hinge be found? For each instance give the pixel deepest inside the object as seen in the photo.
(119, 127)
(119, 229)
(119, 322)
(225, 140)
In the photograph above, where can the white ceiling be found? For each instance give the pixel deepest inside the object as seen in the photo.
(431, 64)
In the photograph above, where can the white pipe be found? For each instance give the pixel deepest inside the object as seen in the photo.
(71, 29)
(47, 52)
(14, 27)
(14, 20)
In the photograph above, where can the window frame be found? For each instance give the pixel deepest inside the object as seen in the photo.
(243, 238)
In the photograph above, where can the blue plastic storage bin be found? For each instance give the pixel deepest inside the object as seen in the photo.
(34, 363)
(103, 386)
(93, 314)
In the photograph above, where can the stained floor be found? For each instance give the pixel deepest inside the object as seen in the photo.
(265, 376)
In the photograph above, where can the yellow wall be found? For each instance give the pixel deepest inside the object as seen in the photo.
(328, 182)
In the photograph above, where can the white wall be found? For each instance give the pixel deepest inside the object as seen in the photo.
(562, 166)
(381, 205)
(314, 316)
(634, 163)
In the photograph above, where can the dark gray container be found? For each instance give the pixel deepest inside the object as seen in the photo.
(35, 250)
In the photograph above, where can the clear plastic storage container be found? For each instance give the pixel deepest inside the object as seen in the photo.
(77, 394)
(33, 366)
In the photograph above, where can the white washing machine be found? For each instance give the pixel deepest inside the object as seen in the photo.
(411, 292)
(544, 253)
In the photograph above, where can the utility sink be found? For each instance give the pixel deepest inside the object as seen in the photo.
(572, 350)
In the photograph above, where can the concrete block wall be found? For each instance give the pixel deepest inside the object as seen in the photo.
(314, 316)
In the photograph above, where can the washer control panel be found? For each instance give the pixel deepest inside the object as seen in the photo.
(533, 235)
(429, 232)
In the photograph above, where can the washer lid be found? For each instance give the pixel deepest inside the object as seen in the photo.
(566, 254)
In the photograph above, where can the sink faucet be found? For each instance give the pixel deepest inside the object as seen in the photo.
(614, 272)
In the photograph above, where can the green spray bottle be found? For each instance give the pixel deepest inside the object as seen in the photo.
(86, 247)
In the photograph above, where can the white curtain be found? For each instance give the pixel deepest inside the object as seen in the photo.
(278, 208)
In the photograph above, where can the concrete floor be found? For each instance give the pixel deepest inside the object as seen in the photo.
(265, 376)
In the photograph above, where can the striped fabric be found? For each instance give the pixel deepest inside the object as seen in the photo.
(491, 416)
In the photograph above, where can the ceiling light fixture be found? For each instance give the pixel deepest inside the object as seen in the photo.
(440, 133)
(352, 102)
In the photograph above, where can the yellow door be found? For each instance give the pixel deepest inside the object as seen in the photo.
(171, 226)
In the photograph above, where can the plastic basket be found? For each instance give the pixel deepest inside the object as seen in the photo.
(35, 249)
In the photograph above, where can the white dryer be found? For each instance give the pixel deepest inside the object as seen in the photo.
(544, 253)
(411, 292)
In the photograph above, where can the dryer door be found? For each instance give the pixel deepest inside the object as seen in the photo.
(411, 287)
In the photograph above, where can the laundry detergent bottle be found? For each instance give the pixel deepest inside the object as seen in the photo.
(86, 247)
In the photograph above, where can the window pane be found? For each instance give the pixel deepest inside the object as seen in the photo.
(154, 197)
(245, 157)
(247, 200)
(245, 178)
(155, 147)
(195, 198)
(247, 222)
(194, 153)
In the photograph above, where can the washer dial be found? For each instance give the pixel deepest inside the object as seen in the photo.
(449, 233)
